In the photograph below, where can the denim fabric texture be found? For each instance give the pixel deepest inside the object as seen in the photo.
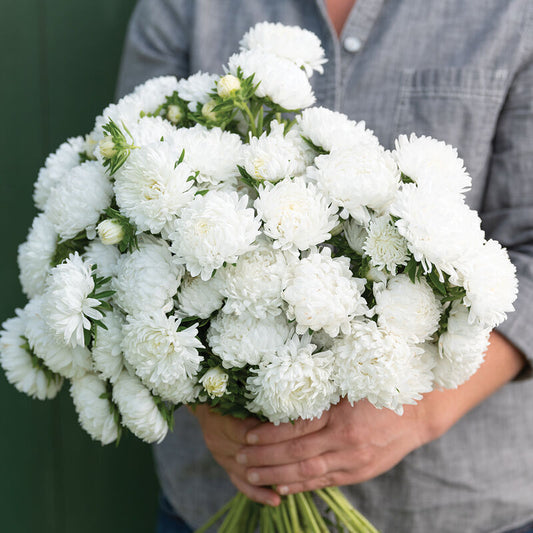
(458, 71)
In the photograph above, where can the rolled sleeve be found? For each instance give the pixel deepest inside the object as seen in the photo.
(156, 44)
(507, 210)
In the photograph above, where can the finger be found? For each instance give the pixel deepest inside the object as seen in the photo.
(316, 467)
(332, 479)
(287, 452)
(271, 434)
(236, 429)
(257, 494)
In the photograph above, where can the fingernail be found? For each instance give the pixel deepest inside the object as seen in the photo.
(241, 458)
(252, 438)
(253, 477)
(283, 489)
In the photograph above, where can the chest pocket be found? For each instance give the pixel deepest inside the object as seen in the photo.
(457, 105)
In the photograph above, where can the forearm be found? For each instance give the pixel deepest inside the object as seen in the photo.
(441, 409)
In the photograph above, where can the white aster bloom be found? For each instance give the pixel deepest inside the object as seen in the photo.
(56, 167)
(196, 88)
(153, 93)
(329, 129)
(59, 357)
(295, 214)
(77, 202)
(35, 256)
(200, 298)
(440, 229)
(95, 414)
(279, 79)
(428, 161)
(386, 248)
(139, 411)
(462, 348)
(67, 302)
(357, 180)
(255, 283)
(225, 153)
(104, 256)
(272, 156)
(490, 283)
(409, 310)
(296, 44)
(107, 348)
(147, 279)
(380, 366)
(20, 367)
(151, 190)
(293, 383)
(355, 234)
(160, 353)
(150, 130)
(213, 229)
(215, 382)
(241, 340)
(323, 294)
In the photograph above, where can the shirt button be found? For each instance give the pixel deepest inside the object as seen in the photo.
(352, 44)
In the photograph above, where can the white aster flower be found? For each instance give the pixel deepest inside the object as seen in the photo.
(140, 413)
(107, 348)
(104, 256)
(67, 302)
(35, 256)
(200, 298)
(296, 44)
(295, 214)
(56, 167)
(323, 294)
(409, 310)
(25, 372)
(147, 279)
(241, 340)
(357, 180)
(384, 245)
(355, 234)
(255, 283)
(279, 79)
(95, 414)
(462, 348)
(293, 383)
(77, 202)
(428, 161)
(225, 153)
(490, 283)
(214, 229)
(380, 366)
(153, 93)
(151, 189)
(440, 229)
(196, 88)
(150, 130)
(273, 157)
(215, 382)
(160, 353)
(59, 357)
(329, 129)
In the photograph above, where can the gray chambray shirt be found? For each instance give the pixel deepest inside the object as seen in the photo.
(460, 71)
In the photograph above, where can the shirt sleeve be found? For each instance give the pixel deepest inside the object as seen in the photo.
(507, 211)
(157, 43)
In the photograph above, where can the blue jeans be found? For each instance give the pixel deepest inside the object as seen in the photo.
(167, 519)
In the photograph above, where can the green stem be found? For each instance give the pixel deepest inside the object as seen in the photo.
(323, 528)
(216, 517)
(293, 514)
(284, 512)
(243, 107)
(336, 493)
(308, 518)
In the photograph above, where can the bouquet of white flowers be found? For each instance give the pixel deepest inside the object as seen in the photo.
(210, 242)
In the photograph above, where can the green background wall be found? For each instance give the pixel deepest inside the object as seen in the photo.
(58, 65)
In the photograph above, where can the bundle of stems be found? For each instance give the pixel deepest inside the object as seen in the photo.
(297, 513)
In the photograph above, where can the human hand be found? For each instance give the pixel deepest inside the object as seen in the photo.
(347, 444)
(224, 437)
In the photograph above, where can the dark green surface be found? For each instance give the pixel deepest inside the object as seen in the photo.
(58, 64)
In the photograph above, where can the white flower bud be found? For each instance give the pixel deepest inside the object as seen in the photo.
(207, 110)
(215, 382)
(107, 147)
(228, 85)
(110, 231)
(174, 114)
